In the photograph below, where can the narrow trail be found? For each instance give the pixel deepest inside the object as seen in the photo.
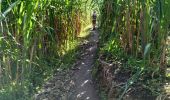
(77, 83)
(84, 86)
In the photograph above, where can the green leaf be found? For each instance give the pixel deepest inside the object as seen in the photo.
(147, 49)
(9, 9)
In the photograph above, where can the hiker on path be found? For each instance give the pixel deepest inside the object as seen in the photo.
(94, 17)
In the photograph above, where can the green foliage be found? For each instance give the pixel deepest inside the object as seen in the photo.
(141, 36)
(135, 32)
(37, 37)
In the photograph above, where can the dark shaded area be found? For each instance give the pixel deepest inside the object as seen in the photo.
(113, 78)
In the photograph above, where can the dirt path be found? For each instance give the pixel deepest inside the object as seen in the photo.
(75, 84)
(83, 79)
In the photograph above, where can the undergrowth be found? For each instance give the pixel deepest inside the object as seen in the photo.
(37, 38)
(142, 74)
(40, 73)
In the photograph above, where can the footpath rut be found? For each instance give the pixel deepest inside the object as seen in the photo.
(84, 85)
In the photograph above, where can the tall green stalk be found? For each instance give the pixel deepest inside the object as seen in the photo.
(33, 35)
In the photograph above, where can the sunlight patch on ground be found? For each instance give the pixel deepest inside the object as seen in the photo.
(81, 94)
(167, 88)
(87, 98)
(71, 45)
(85, 32)
(84, 83)
(82, 63)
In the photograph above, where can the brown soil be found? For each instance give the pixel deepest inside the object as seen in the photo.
(77, 83)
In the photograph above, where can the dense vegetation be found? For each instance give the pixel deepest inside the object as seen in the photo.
(40, 36)
(134, 33)
(37, 36)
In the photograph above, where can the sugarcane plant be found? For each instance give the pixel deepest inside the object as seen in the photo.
(140, 26)
(136, 31)
(33, 34)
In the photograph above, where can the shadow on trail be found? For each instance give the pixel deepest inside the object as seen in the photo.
(75, 83)
(84, 87)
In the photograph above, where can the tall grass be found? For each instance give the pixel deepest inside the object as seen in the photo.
(135, 32)
(35, 35)
(140, 27)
